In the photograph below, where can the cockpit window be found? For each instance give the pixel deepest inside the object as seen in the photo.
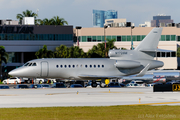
(30, 64)
(34, 64)
(26, 64)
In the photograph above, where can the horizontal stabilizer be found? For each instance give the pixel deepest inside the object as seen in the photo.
(143, 71)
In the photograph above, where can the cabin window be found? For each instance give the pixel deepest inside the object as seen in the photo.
(69, 66)
(90, 66)
(30, 64)
(34, 64)
(98, 66)
(65, 66)
(86, 66)
(102, 66)
(57, 66)
(26, 64)
(94, 66)
(76, 65)
(61, 66)
(73, 66)
(81, 66)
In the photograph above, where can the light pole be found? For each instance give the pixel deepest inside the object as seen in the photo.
(105, 38)
(132, 27)
(78, 27)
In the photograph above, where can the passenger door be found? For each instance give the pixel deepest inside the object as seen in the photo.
(44, 69)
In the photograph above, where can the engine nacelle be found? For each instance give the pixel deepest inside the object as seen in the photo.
(127, 64)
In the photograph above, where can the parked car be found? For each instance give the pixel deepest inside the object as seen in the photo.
(28, 80)
(122, 85)
(40, 80)
(58, 85)
(76, 86)
(4, 87)
(15, 80)
(39, 86)
(21, 87)
(114, 84)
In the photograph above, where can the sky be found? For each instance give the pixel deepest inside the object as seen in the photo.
(79, 12)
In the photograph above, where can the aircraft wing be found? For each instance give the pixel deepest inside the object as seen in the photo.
(98, 77)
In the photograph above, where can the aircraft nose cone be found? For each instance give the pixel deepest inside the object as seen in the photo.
(12, 73)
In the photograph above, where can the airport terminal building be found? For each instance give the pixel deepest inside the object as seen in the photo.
(22, 41)
(169, 40)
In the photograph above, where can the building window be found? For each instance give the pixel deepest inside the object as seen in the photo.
(138, 38)
(168, 54)
(143, 36)
(173, 37)
(167, 37)
(134, 38)
(84, 39)
(123, 38)
(94, 38)
(158, 54)
(163, 54)
(88, 38)
(128, 38)
(173, 54)
(163, 37)
(118, 38)
(178, 38)
(99, 38)
(114, 38)
(108, 37)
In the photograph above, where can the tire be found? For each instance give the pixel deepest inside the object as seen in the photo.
(94, 84)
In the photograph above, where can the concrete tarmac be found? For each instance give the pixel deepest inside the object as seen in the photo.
(55, 97)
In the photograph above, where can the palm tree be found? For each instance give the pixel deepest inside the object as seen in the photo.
(58, 21)
(76, 52)
(62, 52)
(44, 53)
(27, 13)
(3, 58)
(45, 21)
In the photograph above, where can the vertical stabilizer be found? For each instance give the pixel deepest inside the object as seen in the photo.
(150, 42)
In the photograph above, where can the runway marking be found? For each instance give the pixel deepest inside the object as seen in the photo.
(9, 95)
(154, 103)
(124, 92)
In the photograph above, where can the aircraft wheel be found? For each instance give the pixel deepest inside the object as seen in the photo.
(94, 84)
